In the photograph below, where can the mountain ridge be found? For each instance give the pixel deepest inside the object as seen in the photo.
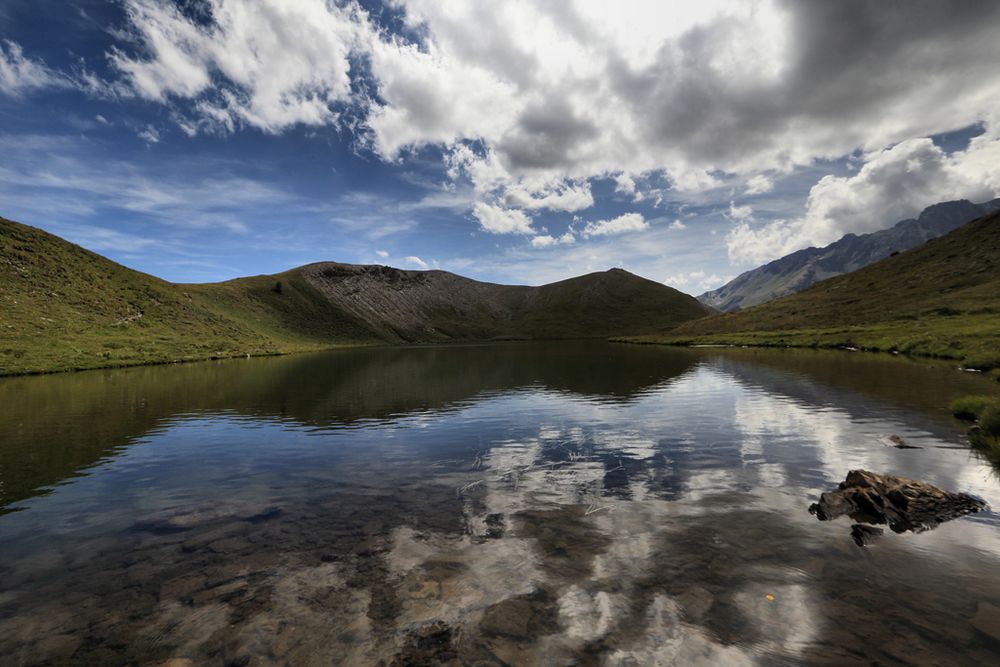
(940, 299)
(63, 307)
(801, 269)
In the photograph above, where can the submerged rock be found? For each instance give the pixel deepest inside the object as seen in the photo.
(865, 535)
(898, 442)
(901, 503)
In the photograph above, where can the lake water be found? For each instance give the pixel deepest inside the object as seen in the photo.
(550, 503)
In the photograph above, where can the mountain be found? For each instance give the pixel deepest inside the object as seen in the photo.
(63, 307)
(797, 271)
(939, 299)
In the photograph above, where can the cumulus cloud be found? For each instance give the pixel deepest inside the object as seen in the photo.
(268, 63)
(623, 224)
(497, 220)
(678, 225)
(740, 213)
(546, 240)
(567, 197)
(892, 185)
(382, 253)
(19, 75)
(555, 95)
(490, 179)
(625, 184)
(758, 185)
(582, 89)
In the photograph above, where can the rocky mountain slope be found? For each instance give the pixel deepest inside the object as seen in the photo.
(803, 268)
(63, 307)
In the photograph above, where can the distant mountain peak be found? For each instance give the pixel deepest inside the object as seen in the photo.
(803, 268)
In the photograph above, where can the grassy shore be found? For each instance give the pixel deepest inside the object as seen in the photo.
(941, 300)
(973, 340)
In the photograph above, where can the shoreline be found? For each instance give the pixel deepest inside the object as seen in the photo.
(988, 372)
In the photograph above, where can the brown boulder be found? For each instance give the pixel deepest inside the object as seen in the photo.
(901, 503)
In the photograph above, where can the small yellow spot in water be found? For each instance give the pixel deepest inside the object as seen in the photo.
(770, 598)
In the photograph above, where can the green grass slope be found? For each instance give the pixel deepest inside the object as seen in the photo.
(940, 299)
(605, 304)
(63, 308)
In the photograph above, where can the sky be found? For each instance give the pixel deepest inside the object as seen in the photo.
(515, 141)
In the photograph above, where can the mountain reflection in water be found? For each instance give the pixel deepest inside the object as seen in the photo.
(543, 503)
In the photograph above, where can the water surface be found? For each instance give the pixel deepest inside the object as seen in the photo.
(550, 503)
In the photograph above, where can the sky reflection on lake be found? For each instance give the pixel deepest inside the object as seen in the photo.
(512, 504)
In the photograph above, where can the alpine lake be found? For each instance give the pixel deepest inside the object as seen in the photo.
(550, 503)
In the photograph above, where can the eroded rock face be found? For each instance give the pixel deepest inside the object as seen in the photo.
(901, 503)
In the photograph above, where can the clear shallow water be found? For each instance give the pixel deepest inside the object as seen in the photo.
(558, 503)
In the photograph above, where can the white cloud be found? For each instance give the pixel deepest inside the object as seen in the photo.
(696, 281)
(740, 213)
(546, 241)
(892, 185)
(566, 197)
(19, 75)
(44, 172)
(267, 63)
(625, 184)
(382, 253)
(678, 225)
(431, 98)
(623, 224)
(150, 135)
(557, 94)
(578, 90)
(758, 185)
(497, 220)
(415, 261)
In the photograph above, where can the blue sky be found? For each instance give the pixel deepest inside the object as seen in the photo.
(519, 142)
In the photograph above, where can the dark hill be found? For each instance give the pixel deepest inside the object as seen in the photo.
(436, 306)
(63, 307)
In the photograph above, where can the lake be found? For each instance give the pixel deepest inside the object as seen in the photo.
(525, 503)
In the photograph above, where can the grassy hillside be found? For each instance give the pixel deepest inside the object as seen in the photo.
(939, 299)
(63, 307)
(605, 304)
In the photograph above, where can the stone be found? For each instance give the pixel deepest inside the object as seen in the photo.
(901, 503)
(864, 536)
(898, 442)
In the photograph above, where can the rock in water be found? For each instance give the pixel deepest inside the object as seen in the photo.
(898, 442)
(904, 504)
(865, 535)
